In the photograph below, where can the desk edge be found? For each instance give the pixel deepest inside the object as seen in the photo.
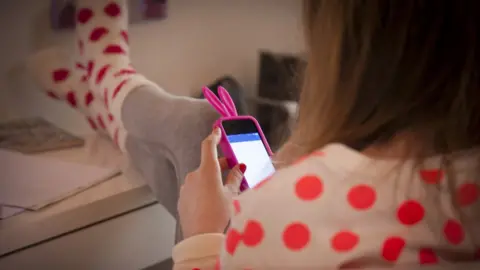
(19, 238)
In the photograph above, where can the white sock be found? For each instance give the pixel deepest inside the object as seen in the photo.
(103, 48)
(60, 79)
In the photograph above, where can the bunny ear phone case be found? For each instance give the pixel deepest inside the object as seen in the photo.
(242, 139)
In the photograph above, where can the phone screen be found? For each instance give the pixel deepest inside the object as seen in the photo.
(248, 147)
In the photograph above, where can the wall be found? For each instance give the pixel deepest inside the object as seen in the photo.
(198, 42)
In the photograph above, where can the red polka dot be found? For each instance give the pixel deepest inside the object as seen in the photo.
(60, 75)
(52, 95)
(296, 236)
(114, 49)
(124, 72)
(90, 66)
(427, 256)
(88, 98)
(453, 231)
(232, 240)
(361, 197)
(105, 97)
(309, 187)
(431, 176)
(84, 15)
(101, 73)
(263, 182)
(92, 123)
(100, 121)
(97, 33)
(253, 233)
(467, 194)
(119, 87)
(110, 117)
(79, 65)
(344, 241)
(124, 34)
(72, 99)
(80, 46)
(392, 248)
(410, 212)
(195, 268)
(112, 9)
(236, 207)
(115, 137)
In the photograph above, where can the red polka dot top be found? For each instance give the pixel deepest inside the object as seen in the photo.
(337, 208)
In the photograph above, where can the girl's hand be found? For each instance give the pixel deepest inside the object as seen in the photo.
(205, 204)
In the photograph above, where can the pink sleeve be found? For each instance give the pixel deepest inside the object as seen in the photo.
(198, 252)
(319, 213)
(284, 222)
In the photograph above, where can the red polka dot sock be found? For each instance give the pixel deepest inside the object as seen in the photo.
(57, 78)
(61, 80)
(170, 127)
(102, 43)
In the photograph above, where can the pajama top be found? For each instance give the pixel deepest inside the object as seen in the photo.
(338, 208)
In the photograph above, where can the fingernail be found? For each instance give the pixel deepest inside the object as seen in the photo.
(216, 131)
(243, 167)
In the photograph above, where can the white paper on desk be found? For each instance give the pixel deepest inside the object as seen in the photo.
(32, 182)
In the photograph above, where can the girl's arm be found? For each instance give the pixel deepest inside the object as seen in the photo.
(255, 216)
(205, 251)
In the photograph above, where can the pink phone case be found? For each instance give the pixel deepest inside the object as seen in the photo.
(227, 110)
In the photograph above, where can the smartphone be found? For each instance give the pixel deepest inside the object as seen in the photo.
(243, 142)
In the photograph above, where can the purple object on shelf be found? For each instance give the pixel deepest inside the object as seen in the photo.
(62, 14)
(154, 9)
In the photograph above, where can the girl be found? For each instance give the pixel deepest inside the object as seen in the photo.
(388, 126)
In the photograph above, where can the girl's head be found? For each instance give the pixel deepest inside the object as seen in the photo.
(379, 70)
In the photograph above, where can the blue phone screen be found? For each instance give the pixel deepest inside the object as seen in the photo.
(249, 149)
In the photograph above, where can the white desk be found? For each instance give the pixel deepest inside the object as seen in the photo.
(114, 225)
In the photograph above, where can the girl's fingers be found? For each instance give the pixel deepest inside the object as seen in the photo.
(234, 178)
(223, 164)
(209, 156)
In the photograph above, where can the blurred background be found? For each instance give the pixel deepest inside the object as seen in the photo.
(197, 43)
(251, 47)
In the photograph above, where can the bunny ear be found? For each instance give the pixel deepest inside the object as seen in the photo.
(227, 101)
(214, 101)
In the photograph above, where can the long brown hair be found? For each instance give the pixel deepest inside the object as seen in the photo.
(379, 68)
